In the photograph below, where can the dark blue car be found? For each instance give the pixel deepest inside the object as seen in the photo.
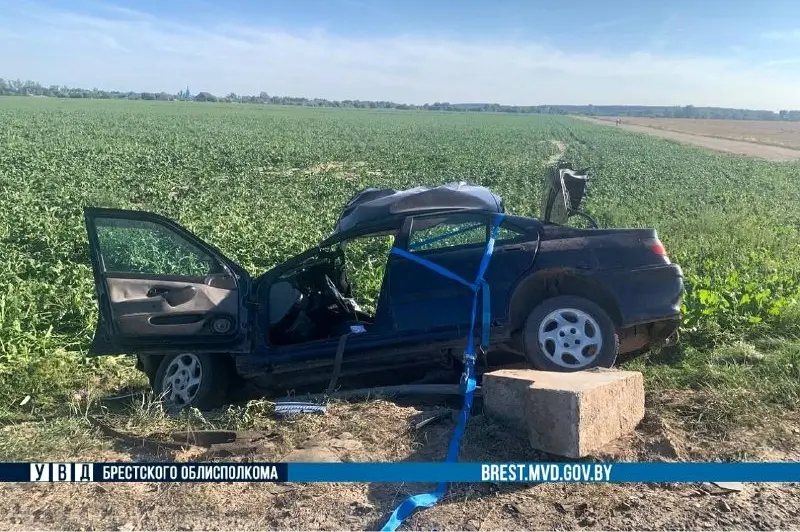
(563, 298)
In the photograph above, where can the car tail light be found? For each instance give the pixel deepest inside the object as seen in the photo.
(655, 245)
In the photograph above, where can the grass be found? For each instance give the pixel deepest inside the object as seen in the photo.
(727, 387)
(264, 183)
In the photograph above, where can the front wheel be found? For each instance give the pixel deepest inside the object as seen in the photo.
(570, 333)
(189, 379)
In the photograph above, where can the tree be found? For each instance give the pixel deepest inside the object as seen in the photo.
(9, 87)
(205, 97)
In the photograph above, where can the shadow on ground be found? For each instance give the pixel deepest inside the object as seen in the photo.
(484, 441)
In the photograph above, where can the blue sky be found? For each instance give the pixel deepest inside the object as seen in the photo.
(704, 52)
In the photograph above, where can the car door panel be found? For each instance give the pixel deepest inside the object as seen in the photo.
(158, 284)
(509, 263)
(147, 307)
(423, 299)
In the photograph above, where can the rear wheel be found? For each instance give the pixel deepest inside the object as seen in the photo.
(189, 379)
(570, 333)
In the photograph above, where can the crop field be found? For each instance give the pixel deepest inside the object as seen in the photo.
(265, 182)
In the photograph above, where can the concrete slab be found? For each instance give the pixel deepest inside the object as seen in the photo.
(566, 414)
(505, 394)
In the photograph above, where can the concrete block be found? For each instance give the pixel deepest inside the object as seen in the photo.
(566, 414)
(505, 392)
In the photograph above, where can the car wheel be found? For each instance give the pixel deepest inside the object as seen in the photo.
(189, 379)
(570, 333)
(149, 366)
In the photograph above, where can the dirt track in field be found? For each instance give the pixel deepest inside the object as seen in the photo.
(727, 145)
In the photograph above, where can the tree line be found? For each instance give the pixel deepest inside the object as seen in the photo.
(31, 88)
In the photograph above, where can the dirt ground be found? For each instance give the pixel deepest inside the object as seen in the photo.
(386, 431)
(774, 141)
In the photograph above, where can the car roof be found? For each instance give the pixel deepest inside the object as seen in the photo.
(372, 205)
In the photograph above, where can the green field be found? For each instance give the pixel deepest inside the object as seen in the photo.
(265, 182)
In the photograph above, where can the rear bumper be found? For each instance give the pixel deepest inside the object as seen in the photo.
(663, 333)
(648, 295)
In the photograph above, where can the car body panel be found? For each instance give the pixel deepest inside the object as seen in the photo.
(422, 300)
(646, 294)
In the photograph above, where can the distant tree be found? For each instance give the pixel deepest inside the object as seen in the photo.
(205, 97)
(10, 87)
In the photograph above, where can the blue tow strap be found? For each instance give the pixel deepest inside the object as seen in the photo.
(426, 500)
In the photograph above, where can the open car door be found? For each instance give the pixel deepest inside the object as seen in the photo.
(564, 190)
(160, 287)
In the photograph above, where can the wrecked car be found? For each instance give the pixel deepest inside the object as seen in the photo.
(563, 298)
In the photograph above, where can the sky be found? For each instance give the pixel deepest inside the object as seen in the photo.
(727, 53)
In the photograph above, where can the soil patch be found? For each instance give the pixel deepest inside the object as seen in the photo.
(385, 431)
(727, 145)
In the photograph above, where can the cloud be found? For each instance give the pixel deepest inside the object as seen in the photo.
(782, 62)
(782, 35)
(123, 49)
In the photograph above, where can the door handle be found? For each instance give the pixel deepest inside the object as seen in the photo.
(180, 296)
(157, 291)
(506, 249)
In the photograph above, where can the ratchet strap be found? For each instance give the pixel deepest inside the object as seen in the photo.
(426, 500)
(337, 364)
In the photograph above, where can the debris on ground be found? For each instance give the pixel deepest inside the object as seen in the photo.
(388, 432)
(283, 409)
(728, 487)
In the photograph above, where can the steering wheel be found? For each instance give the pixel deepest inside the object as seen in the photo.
(340, 301)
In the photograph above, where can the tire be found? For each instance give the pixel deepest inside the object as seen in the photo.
(559, 315)
(211, 373)
(148, 365)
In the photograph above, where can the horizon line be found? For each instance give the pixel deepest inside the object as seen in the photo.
(394, 103)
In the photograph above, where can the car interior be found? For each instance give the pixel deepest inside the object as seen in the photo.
(314, 301)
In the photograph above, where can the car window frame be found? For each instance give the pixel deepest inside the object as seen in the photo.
(220, 266)
(403, 239)
(408, 227)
